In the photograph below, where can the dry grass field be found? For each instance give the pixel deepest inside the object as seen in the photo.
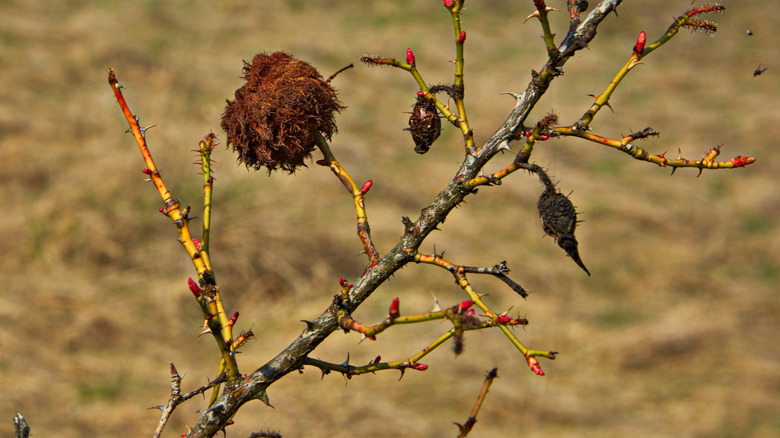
(675, 334)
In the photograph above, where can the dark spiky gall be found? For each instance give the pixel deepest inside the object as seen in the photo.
(559, 219)
(279, 112)
(424, 124)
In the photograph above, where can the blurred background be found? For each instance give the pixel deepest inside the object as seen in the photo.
(675, 334)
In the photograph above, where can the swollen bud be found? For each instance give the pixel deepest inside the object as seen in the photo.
(535, 367)
(465, 305)
(366, 187)
(462, 36)
(395, 309)
(640, 44)
(194, 288)
(409, 57)
(419, 366)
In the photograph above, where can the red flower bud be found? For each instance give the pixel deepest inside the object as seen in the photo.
(449, 4)
(640, 43)
(462, 36)
(535, 367)
(419, 366)
(420, 94)
(503, 319)
(146, 171)
(409, 57)
(194, 288)
(395, 310)
(366, 187)
(539, 3)
(740, 161)
(197, 243)
(465, 305)
(376, 360)
(470, 312)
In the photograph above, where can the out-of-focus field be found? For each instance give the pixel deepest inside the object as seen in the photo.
(675, 334)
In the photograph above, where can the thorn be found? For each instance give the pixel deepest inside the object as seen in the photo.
(436, 307)
(535, 14)
(700, 170)
(634, 63)
(346, 362)
(517, 96)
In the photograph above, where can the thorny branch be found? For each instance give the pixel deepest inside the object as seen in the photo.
(240, 389)
(176, 397)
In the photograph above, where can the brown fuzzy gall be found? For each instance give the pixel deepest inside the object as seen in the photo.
(278, 113)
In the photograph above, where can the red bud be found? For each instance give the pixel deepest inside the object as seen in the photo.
(465, 305)
(640, 43)
(197, 243)
(740, 161)
(449, 4)
(194, 288)
(503, 319)
(395, 310)
(146, 171)
(366, 187)
(376, 360)
(535, 367)
(419, 366)
(409, 57)
(462, 36)
(420, 94)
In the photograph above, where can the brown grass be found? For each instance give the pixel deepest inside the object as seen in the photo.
(674, 335)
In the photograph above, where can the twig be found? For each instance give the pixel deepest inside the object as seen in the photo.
(466, 427)
(176, 397)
